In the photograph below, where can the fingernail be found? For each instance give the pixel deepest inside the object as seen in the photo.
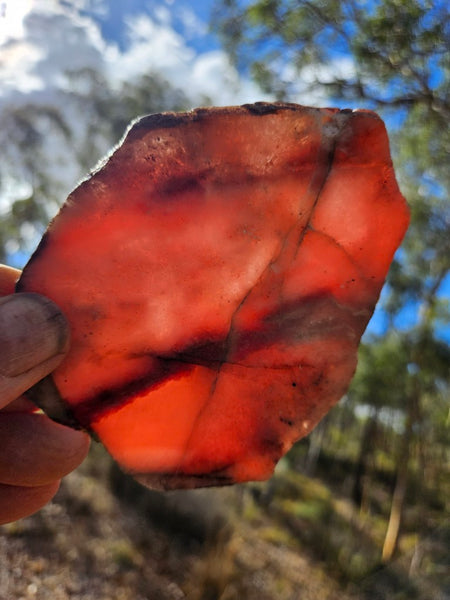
(32, 330)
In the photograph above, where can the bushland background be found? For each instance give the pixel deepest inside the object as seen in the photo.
(357, 510)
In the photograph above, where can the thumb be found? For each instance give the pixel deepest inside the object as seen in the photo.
(34, 337)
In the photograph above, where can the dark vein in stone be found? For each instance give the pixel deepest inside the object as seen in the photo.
(273, 261)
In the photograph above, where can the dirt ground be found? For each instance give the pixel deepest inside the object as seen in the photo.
(106, 538)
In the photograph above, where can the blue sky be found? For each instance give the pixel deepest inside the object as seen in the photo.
(189, 19)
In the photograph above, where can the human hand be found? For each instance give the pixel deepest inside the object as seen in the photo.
(35, 452)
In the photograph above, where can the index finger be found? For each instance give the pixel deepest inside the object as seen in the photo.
(34, 338)
(8, 279)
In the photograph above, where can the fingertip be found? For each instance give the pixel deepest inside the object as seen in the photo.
(79, 442)
(8, 279)
(17, 502)
(37, 451)
(33, 330)
(34, 339)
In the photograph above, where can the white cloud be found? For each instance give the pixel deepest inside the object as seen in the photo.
(193, 25)
(156, 47)
(153, 47)
(54, 38)
(343, 67)
(12, 13)
(303, 82)
(213, 75)
(51, 42)
(17, 62)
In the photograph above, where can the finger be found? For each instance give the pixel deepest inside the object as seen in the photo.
(17, 502)
(36, 451)
(20, 405)
(34, 338)
(8, 279)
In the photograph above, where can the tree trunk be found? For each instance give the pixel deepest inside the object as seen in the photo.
(413, 416)
(315, 447)
(367, 443)
(398, 497)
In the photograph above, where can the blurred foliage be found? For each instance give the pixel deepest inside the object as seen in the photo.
(396, 49)
(45, 149)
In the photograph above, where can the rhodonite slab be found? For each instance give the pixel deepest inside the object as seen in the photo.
(217, 272)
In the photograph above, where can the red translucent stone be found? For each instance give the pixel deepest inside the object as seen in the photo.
(218, 272)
